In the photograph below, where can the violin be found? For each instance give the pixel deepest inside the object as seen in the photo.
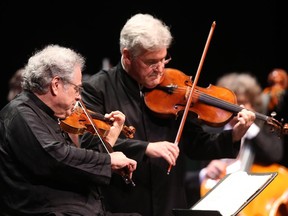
(214, 105)
(81, 120)
(78, 123)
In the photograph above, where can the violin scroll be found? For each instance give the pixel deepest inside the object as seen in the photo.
(129, 131)
(277, 126)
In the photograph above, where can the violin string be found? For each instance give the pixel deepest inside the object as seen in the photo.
(124, 175)
(228, 106)
(198, 93)
(93, 125)
(221, 103)
(210, 99)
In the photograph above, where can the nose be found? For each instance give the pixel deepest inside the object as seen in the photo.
(159, 66)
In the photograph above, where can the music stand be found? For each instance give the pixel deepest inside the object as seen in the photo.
(230, 195)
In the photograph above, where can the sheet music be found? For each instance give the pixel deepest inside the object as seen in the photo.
(234, 191)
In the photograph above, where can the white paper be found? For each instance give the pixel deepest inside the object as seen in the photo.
(232, 192)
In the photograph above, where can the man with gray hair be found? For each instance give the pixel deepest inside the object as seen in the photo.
(144, 43)
(42, 172)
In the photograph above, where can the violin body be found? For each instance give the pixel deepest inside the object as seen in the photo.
(170, 98)
(78, 123)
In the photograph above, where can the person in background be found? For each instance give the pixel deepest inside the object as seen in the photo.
(106, 64)
(144, 44)
(259, 145)
(277, 98)
(277, 84)
(42, 172)
(15, 84)
(282, 115)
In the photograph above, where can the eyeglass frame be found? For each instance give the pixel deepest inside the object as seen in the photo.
(77, 88)
(164, 61)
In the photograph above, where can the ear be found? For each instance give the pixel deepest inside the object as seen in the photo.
(55, 85)
(127, 58)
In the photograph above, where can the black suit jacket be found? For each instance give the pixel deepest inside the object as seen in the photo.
(156, 193)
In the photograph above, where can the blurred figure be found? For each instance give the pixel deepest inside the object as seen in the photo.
(15, 84)
(259, 145)
(276, 99)
(281, 107)
(106, 64)
(277, 84)
(282, 115)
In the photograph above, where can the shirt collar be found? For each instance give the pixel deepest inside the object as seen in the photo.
(40, 104)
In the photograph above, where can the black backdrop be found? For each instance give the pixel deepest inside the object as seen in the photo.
(246, 38)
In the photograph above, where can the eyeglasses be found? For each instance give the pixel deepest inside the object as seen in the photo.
(152, 65)
(78, 88)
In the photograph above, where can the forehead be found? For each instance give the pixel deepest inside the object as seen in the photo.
(158, 54)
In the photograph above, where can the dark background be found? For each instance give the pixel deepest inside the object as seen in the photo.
(247, 37)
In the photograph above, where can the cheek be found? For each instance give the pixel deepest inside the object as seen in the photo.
(67, 107)
(67, 100)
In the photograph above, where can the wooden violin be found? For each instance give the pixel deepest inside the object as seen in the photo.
(277, 83)
(81, 121)
(78, 123)
(214, 105)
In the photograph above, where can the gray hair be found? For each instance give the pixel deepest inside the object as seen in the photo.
(47, 63)
(143, 32)
(243, 83)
